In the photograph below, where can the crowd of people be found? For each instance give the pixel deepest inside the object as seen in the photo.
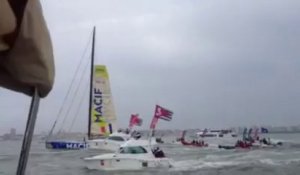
(198, 142)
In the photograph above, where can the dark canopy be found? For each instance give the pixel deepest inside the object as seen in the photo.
(26, 55)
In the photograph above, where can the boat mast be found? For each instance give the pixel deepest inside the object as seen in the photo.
(91, 83)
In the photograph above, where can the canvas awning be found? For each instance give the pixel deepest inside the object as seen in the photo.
(26, 54)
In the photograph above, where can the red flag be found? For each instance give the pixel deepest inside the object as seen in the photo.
(135, 120)
(160, 113)
(163, 113)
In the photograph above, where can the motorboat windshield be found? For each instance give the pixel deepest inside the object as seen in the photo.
(133, 150)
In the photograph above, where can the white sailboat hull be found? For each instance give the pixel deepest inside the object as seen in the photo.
(103, 144)
(111, 143)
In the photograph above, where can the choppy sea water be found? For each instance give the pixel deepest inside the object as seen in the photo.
(188, 160)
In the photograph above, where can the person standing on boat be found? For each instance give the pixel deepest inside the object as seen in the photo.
(158, 153)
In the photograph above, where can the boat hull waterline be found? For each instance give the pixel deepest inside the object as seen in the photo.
(67, 145)
(126, 163)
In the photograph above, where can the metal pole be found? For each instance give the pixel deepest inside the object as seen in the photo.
(91, 83)
(28, 133)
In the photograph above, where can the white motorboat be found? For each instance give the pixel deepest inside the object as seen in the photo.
(217, 137)
(266, 143)
(216, 133)
(111, 143)
(132, 155)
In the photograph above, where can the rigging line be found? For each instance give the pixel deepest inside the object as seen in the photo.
(69, 89)
(77, 111)
(73, 98)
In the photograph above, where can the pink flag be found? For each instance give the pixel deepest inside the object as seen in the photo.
(160, 113)
(163, 113)
(135, 120)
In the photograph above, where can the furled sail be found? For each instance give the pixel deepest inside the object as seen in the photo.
(103, 118)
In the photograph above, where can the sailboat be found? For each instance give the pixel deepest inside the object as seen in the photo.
(102, 121)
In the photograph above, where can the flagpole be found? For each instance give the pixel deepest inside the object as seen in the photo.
(152, 127)
(154, 118)
(159, 113)
(150, 137)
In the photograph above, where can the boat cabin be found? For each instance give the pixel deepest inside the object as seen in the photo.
(117, 138)
(141, 147)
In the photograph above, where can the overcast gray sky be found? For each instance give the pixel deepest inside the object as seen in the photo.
(214, 63)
